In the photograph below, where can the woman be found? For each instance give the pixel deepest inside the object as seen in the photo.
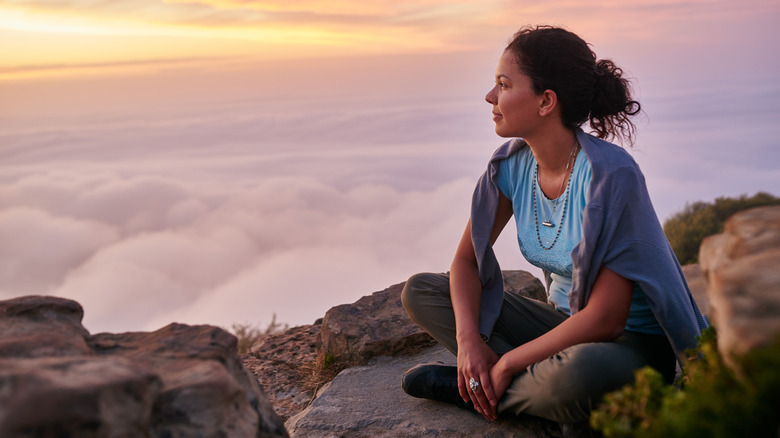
(618, 300)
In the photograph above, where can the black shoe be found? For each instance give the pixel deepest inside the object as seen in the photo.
(435, 381)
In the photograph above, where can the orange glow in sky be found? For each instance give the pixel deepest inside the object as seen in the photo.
(39, 38)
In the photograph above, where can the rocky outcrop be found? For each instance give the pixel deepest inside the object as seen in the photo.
(57, 380)
(181, 381)
(740, 267)
(366, 400)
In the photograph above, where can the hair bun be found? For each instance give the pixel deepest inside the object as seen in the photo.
(612, 100)
(611, 92)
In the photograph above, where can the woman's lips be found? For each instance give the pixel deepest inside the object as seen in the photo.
(496, 117)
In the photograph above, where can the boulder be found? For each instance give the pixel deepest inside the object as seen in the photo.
(525, 284)
(377, 325)
(740, 269)
(35, 326)
(367, 401)
(374, 325)
(79, 396)
(179, 381)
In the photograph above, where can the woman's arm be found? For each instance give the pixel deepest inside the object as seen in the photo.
(475, 358)
(602, 319)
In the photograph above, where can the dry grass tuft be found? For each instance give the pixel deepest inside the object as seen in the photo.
(248, 334)
(320, 371)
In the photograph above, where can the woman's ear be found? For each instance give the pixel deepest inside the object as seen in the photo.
(548, 103)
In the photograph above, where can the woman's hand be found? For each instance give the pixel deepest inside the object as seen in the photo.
(500, 378)
(475, 360)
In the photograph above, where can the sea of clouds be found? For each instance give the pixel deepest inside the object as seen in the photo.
(226, 196)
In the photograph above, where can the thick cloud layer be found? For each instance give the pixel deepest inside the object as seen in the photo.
(138, 251)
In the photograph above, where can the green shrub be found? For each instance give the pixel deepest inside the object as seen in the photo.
(686, 229)
(631, 410)
(714, 401)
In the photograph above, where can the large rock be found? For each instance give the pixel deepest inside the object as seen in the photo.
(377, 325)
(367, 401)
(741, 270)
(180, 381)
(374, 325)
(525, 284)
(35, 326)
(78, 396)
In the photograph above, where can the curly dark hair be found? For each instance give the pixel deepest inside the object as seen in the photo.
(588, 90)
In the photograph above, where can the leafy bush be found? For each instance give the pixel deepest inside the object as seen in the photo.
(686, 229)
(714, 401)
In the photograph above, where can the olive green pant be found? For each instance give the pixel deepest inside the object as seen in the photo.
(563, 387)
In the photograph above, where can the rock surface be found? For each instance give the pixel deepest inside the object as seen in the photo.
(278, 361)
(740, 267)
(367, 401)
(698, 286)
(180, 381)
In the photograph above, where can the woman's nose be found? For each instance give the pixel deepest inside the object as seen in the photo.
(490, 97)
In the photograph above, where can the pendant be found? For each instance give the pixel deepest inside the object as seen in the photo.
(548, 224)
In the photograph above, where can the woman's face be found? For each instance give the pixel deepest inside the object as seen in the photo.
(515, 104)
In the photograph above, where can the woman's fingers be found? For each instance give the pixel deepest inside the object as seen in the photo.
(487, 389)
(479, 396)
(462, 383)
(474, 397)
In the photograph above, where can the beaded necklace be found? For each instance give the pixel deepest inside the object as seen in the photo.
(548, 223)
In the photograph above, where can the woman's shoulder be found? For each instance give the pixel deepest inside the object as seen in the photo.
(515, 167)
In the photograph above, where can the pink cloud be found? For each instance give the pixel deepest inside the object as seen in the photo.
(39, 249)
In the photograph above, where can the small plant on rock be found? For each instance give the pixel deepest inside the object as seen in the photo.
(714, 400)
(321, 370)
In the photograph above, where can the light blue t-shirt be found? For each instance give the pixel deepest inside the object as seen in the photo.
(516, 181)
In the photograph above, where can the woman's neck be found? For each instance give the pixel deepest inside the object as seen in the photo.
(552, 150)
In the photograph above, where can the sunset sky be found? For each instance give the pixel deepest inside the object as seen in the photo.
(218, 161)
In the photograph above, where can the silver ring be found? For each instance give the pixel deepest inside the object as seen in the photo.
(473, 384)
